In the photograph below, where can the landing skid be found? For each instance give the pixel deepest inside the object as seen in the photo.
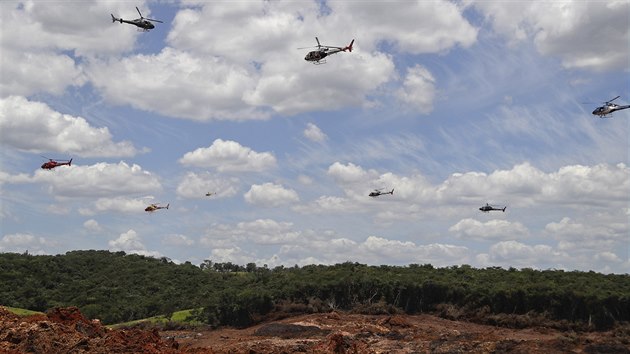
(319, 62)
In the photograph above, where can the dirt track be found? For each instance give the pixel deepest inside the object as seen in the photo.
(67, 331)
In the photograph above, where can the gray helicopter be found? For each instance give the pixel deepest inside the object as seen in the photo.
(608, 108)
(144, 23)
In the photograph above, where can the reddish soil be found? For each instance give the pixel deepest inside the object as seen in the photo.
(65, 330)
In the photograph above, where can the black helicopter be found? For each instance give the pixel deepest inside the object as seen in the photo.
(488, 208)
(378, 192)
(144, 23)
(317, 56)
(608, 108)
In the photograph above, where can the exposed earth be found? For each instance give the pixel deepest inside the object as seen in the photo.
(65, 330)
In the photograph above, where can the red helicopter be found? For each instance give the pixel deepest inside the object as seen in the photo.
(55, 163)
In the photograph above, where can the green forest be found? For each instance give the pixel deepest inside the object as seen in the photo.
(117, 287)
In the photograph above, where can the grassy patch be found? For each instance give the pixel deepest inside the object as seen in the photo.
(181, 317)
(23, 312)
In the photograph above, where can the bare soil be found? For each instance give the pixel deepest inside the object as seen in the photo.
(65, 330)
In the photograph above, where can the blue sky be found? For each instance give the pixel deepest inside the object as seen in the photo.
(452, 104)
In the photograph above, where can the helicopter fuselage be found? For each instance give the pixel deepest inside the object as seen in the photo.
(605, 110)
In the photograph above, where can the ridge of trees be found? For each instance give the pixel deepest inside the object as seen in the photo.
(118, 287)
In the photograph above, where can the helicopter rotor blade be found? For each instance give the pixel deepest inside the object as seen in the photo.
(139, 12)
(613, 99)
(317, 39)
(154, 20)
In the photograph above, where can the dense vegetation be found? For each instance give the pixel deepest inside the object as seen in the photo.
(116, 287)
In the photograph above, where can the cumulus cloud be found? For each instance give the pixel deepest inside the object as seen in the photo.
(102, 180)
(131, 242)
(260, 232)
(271, 195)
(92, 226)
(418, 90)
(490, 230)
(35, 127)
(313, 133)
(181, 85)
(585, 34)
(594, 233)
(517, 254)
(46, 36)
(195, 186)
(121, 204)
(229, 156)
(21, 242)
(347, 173)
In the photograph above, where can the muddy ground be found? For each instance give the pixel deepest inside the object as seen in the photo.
(67, 331)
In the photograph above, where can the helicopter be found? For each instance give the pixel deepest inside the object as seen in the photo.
(608, 108)
(488, 208)
(317, 56)
(50, 164)
(144, 23)
(210, 194)
(378, 192)
(153, 207)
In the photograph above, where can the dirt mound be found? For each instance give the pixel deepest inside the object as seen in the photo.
(65, 330)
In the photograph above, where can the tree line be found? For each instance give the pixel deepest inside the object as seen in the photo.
(117, 287)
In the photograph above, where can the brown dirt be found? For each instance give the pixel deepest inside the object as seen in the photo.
(67, 331)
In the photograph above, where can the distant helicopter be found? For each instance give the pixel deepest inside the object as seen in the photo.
(488, 208)
(50, 164)
(153, 207)
(378, 192)
(144, 23)
(210, 194)
(608, 108)
(317, 56)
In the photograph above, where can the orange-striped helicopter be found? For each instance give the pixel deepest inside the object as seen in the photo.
(317, 56)
(50, 164)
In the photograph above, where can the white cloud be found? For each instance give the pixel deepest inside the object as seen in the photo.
(120, 204)
(99, 180)
(177, 84)
(18, 67)
(585, 34)
(313, 133)
(130, 242)
(260, 232)
(228, 156)
(21, 242)
(195, 186)
(418, 89)
(92, 226)
(35, 127)
(490, 230)
(270, 195)
(348, 173)
(517, 254)
(594, 233)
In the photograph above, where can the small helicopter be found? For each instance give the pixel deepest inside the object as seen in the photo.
(488, 208)
(50, 164)
(378, 192)
(317, 56)
(210, 194)
(153, 207)
(144, 23)
(608, 108)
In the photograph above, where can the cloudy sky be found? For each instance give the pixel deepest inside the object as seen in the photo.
(452, 104)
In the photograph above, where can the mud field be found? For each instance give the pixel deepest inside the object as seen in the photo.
(65, 330)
